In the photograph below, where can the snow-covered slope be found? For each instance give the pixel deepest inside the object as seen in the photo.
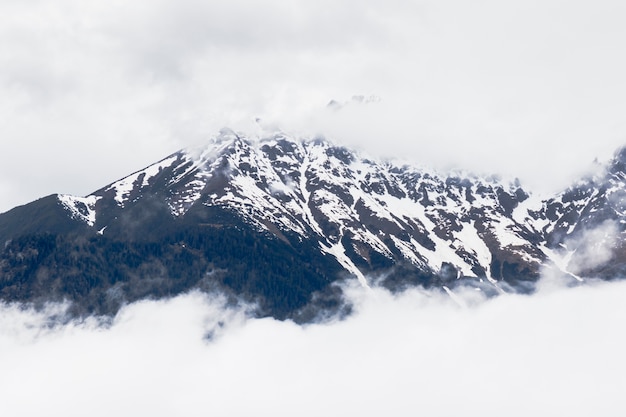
(585, 226)
(369, 215)
(279, 219)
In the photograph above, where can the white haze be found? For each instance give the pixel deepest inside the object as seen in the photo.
(559, 352)
(92, 91)
(595, 247)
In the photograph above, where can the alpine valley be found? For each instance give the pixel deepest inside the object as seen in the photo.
(280, 221)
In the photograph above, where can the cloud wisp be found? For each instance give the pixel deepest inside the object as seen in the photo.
(554, 352)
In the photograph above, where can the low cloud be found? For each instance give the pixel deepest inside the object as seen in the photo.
(553, 352)
(594, 247)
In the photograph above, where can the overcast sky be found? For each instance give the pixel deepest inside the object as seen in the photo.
(91, 91)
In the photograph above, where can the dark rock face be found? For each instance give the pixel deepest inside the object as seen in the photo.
(277, 222)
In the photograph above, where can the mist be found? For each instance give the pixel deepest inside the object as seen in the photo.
(559, 351)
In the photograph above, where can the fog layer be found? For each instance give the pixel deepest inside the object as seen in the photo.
(559, 352)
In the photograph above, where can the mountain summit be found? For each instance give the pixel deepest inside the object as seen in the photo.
(278, 220)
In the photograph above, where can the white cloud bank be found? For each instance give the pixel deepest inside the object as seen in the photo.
(559, 352)
(92, 91)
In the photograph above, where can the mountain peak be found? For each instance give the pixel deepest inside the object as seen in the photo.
(303, 208)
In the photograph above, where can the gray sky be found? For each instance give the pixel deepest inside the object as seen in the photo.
(92, 91)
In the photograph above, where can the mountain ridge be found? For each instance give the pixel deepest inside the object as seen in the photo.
(332, 212)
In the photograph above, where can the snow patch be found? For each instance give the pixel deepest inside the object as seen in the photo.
(81, 208)
(126, 185)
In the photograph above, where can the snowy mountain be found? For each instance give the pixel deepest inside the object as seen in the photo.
(279, 219)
